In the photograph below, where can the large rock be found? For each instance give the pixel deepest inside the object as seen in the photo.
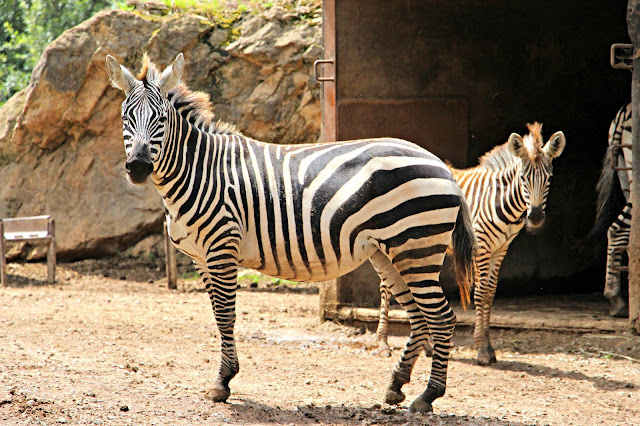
(61, 150)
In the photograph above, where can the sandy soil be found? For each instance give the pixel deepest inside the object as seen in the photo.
(109, 344)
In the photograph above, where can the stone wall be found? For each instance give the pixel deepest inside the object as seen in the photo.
(61, 150)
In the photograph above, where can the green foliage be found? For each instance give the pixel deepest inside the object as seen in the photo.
(191, 275)
(27, 27)
(122, 5)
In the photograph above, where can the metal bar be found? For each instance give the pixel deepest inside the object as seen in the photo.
(622, 145)
(633, 28)
(618, 56)
(51, 252)
(170, 256)
(316, 70)
(620, 268)
(328, 95)
(3, 263)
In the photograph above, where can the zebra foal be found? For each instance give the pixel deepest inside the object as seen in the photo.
(300, 212)
(507, 190)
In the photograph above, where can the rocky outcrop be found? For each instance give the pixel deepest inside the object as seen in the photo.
(61, 150)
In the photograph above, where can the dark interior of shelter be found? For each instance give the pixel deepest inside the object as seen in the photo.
(458, 77)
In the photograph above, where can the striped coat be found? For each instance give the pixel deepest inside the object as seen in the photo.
(303, 212)
(613, 207)
(507, 191)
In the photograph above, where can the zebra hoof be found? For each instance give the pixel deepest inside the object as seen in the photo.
(620, 311)
(383, 351)
(393, 397)
(486, 357)
(420, 406)
(218, 395)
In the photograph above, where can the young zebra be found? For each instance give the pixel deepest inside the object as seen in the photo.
(506, 190)
(301, 212)
(613, 211)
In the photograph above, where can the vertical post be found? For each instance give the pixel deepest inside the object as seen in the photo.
(3, 260)
(170, 256)
(633, 27)
(328, 93)
(51, 252)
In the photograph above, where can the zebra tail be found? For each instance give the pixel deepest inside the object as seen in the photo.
(464, 247)
(610, 199)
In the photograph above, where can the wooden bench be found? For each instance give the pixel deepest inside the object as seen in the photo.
(28, 230)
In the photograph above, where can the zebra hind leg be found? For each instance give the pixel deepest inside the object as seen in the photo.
(613, 286)
(617, 237)
(383, 323)
(419, 329)
(422, 319)
(382, 332)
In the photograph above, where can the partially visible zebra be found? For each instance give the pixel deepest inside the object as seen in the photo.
(506, 190)
(613, 210)
(301, 212)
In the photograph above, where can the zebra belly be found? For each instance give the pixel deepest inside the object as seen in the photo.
(310, 270)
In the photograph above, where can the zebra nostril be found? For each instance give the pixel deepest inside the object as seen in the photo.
(139, 170)
(536, 217)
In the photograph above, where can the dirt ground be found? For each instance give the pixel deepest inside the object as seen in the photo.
(109, 344)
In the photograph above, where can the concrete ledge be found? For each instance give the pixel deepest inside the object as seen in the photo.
(577, 314)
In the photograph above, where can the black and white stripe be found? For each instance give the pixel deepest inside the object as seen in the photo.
(613, 211)
(301, 212)
(507, 191)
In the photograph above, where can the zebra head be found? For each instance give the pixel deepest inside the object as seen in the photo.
(144, 112)
(536, 170)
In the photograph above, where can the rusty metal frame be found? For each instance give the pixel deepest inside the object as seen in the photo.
(328, 101)
(619, 60)
(621, 146)
(316, 70)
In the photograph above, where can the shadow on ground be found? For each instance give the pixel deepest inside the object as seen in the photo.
(348, 415)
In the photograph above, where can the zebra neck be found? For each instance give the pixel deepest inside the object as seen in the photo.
(189, 156)
(511, 192)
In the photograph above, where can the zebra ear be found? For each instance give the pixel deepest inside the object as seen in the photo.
(172, 74)
(516, 145)
(554, 147)
(120, 77)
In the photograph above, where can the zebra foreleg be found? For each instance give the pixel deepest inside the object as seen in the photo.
(419, 329)
(617, 237)
(222, 292)
(483, 298)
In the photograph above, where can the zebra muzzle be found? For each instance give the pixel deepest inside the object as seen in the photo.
(536, 218)
(139, 168)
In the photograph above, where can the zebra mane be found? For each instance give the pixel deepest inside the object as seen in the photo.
(195, 107)
(501, 156)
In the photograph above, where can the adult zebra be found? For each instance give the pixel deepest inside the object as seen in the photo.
(302, 212)
(613, 210)
(506, 190)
